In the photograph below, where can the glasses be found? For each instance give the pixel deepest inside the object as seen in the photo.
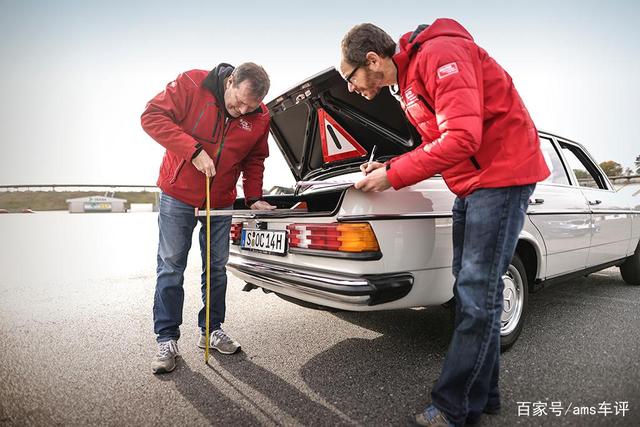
(348, 78)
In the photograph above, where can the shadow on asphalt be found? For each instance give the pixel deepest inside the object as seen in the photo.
(599, 284)
(383, 378)
(286, 397)
(377, 380)
(205, 397)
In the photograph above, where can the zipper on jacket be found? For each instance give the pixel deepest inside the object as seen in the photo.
(475, 162)
(429, 107)
(472, 158)
(195, 126)
(178, 169)
(216, 126)
(225, 128)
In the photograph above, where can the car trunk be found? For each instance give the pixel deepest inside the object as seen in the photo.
(311, 202)
(296, 126)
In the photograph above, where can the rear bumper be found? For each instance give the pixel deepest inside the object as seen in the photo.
(370, 289)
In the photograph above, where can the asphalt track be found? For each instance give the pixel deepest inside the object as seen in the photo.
(80, 353)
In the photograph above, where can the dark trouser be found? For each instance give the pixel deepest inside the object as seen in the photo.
(486, 226)
(176, 222)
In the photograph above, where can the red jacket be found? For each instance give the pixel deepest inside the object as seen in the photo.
(475, 128)
(187, 117)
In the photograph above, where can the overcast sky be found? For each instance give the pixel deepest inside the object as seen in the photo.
(76, 75)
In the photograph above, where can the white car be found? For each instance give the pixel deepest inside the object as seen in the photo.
(330, 245)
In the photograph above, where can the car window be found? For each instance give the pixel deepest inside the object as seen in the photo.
(585, 171)
(558, 173)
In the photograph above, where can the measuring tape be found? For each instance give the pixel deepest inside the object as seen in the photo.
(208, 273)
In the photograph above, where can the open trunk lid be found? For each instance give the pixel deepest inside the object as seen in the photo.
(299, 115)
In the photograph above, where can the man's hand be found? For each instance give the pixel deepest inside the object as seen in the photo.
(369, 167)
(261, 205)
(374, 181)
(204, 164)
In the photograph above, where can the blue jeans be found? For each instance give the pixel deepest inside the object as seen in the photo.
(486, 226)
(176, 222)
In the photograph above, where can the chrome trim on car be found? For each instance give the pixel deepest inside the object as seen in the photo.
(436, 215)
(385, 217)
(361, 290)
(280, 286)
(358, 256)
(595, 211)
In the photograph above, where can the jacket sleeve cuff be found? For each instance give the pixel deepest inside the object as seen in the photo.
(394, 178)
(197, 149)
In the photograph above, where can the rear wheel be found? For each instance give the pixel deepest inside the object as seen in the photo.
(514, 302)
(630, 269)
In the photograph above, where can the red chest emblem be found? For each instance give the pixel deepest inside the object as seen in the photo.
(245, 125)
(447, 70)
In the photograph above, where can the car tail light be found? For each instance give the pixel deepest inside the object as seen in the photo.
(349, 237)
(236, 233)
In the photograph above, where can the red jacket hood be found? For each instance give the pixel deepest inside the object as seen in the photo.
(410, 42)
(474, 126)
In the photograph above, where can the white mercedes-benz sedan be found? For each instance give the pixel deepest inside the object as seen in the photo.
(329, 245)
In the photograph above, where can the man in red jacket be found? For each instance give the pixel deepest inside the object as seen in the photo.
(477, 133)
(214, 124)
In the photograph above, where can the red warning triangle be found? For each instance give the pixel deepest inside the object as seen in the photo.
(337, 143)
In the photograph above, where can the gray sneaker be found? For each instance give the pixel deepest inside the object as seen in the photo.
(432, 417)
(220, 341)
(166, 357)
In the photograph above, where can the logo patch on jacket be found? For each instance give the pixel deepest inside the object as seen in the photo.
(245, 125)
(410, 96)
(447, 70)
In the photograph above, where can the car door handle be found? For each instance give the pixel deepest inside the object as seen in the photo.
(535, 202)
(595, 202)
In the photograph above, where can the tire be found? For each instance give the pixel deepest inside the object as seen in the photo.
(514, 303)
(630, 269)
(515, 297)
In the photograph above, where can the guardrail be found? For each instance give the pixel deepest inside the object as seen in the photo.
(625, 178)
(71, 187)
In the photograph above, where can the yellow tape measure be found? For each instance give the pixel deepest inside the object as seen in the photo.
(208, 273)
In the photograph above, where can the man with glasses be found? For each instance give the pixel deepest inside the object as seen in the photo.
(477, 133)
(211, 124)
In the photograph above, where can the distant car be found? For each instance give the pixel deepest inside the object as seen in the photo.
(329, 245)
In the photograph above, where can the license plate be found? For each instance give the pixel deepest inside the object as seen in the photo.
(264, 241)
